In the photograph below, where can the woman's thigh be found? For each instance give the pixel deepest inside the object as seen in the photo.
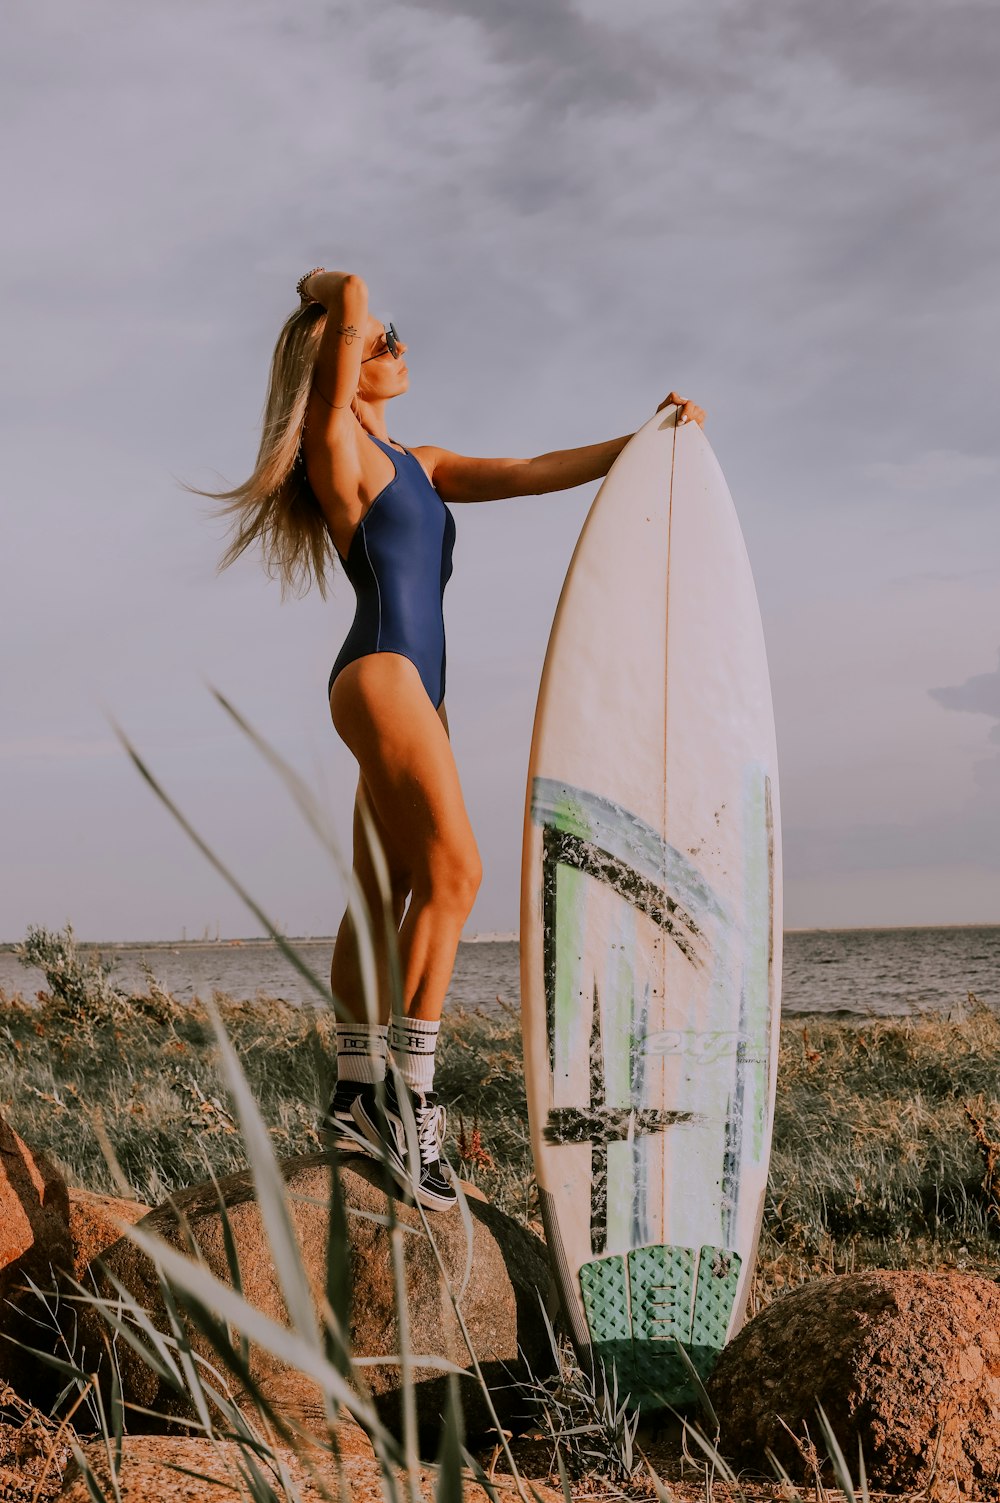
(381, 710)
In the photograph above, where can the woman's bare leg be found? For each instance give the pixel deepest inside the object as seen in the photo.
(382, 712)
(345, 972)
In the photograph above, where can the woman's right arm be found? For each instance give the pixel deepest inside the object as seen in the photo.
(338, 364)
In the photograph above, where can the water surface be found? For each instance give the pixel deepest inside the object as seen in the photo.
(859, 972)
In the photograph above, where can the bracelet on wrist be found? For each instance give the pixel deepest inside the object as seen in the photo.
(300, 286)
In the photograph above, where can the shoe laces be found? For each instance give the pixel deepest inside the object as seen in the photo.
(430, 1122)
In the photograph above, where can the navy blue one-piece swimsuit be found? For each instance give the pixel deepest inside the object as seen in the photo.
(399, 562)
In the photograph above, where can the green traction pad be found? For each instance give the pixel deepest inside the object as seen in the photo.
(641, 1305)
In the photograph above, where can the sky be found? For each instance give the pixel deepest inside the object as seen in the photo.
(785, 209)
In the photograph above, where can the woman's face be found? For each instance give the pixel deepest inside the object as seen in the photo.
(383, 375)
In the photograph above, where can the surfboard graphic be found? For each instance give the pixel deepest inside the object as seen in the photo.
(650, 923)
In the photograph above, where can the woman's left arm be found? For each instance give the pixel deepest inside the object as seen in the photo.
(459, 478)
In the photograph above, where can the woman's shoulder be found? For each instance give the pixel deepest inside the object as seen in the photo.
(429, 456)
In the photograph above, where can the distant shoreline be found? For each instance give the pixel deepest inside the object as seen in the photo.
(511, 937)
(8, 946)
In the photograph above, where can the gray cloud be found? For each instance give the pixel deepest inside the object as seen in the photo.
(562, 60)
(978, 695)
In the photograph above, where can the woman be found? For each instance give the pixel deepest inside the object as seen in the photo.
(329, 478)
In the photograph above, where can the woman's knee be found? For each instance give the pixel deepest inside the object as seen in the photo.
(453, 879)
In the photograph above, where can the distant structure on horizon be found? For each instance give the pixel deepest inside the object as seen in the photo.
(491, 938)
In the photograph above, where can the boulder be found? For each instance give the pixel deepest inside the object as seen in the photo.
(907, 1363)
(95, 1221)
(500, 1306)
(34, 1238)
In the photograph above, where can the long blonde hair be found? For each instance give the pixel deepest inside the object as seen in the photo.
(276, 505)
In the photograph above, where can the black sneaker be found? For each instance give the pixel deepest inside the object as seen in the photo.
(337, 1128)
(432, 1184)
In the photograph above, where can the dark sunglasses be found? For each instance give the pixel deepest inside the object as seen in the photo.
(391, 345)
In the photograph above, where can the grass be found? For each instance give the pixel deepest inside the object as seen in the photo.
(877, 1162)
(884, 1132)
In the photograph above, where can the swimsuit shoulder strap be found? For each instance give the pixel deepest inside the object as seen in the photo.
(383, 445)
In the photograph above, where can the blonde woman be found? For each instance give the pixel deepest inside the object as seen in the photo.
(330, 481)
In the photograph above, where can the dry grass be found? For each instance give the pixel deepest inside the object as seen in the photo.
(884, 1143)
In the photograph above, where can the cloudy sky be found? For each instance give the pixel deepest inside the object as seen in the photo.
(785, 208)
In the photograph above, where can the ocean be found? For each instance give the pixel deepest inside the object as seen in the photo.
(860, 973)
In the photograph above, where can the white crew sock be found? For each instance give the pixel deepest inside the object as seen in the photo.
(412, 1042)
(361, 1052)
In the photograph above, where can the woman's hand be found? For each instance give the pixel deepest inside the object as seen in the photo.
(688, 411)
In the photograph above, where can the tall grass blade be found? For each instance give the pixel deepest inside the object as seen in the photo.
(468, 1228)
(58, 1364)
(192, 1377)
(338, 1273)
(380, 866)
(701, 1391)
(232, 1255)
(479, 1475)
(408, 1395)
(448, 1488)
(315, 817)
(260, 1489)
(836, 1455)
(287, 950)
(118, 1175)
(106, 1440)
(269, 1184)
(186, 1471)
(563, 1478)
(718, 1462)
(95, 1492)
(117, 1414)
(789, 1490)
(215, 1332)
(400, 1289)
(156, 1355)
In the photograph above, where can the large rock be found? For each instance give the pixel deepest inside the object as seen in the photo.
(500, 1306)
(34, 1238)
(95, 1221)
(909, 1363)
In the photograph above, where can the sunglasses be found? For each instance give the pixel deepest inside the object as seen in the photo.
(391, 345)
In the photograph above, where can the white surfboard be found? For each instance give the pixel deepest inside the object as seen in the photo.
(651, 920)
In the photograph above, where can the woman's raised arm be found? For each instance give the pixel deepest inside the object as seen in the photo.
(338, 364)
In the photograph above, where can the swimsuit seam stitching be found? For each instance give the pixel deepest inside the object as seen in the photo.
(370, 507)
